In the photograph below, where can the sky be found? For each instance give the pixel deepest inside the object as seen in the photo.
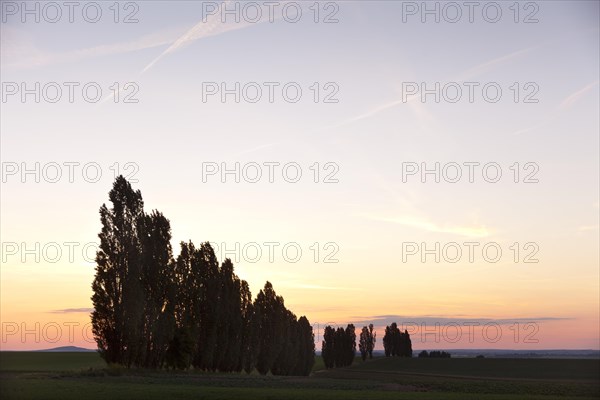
(428, 164)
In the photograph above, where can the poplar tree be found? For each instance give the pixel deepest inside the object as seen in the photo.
(152, 311)
(328, 347)
(118, 298)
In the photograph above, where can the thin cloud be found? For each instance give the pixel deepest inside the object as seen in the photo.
(480, 68)
(426, 225)
(535, 127)
(384, 320)
(20, 51)
(320, 287)
(573, 98)
(209, 26)
(562, 107)
(586, 228)
(72, 311)
(417, 107)
(369, 113)
(254, 149)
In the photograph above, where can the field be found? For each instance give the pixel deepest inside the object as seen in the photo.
(29, 375)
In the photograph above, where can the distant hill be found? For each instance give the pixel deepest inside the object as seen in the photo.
(501, 353)
(66, 348)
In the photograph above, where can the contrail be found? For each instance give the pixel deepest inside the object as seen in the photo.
(211, 26)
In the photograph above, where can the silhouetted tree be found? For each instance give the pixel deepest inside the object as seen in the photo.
(229, 339)
(249, 331)
(208, 266)
(339, 346)
(270, 310)
(396, 343)
(158, 283)
(179, 353)
(388, 339)
(151, 310)
(405, 345)
(306, 348)
(328, 347)
(189, 295)
(439, 354)
(372, 340)
(117, 319)
(367, 342)
(286, 360)
(349, 345)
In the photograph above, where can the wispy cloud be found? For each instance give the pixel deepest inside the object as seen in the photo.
(384, 320)
(535, 127)
(479, 231)
(417, 107)
(562, 107)
(574, 97)
(485, 66)
(254, 149)
(374, 111)
(72, 311)
(20, 51)
(211, 25)
(586, 228)
(310, 286)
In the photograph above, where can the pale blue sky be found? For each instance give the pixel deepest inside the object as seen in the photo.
(368, 133)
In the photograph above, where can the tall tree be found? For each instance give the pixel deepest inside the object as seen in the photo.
(285, 362)
(188, 298)
(151, 310)
(229, 321)
(367, 342)
(306, 348)
(249, 331)
(339, 347)
(158, 284)
(328, 347)
(372, 340)
(269, 308)
(207, 265)
(390, 340)
(350, 345)
(406, 348)
(397, 343)
(180, 350)
(117, 319)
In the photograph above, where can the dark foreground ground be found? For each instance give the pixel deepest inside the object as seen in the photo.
(29, 375)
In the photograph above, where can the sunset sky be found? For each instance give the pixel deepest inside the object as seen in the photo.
(365, 211)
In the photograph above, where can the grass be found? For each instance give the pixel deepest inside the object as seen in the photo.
(68, 390)
(520, 368)
(22, 361)
(28, 375)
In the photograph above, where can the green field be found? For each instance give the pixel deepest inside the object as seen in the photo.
(30, 375)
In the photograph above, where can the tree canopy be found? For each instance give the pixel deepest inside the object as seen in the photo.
(152, 310)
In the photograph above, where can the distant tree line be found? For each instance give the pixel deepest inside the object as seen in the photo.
(435, 354)
(397, 343)
(154, 311)
(366, 342)
(339, 346)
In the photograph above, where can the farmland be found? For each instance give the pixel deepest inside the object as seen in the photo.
(28, 375)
